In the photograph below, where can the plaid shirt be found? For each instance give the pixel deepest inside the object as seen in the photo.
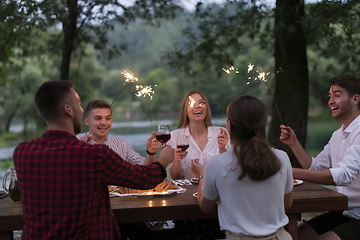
(63, 183)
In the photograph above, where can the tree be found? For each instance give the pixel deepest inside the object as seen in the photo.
(88, 21)
(217, 41)
(292, 81)
(15, 31)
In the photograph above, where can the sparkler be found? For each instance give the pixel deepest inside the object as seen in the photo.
(262, 76)
(191, 102)
(145, 91)
(129, 77)
(228, 71)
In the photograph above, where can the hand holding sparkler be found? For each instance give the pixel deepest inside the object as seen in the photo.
(262, 77)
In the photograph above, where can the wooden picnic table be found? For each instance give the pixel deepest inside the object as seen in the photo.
(308, 197)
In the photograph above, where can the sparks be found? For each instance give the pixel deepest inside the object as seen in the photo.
(129, 77)
(231, 68)
(250, 67)
(262, 76)
(145, 91)
(191, 102)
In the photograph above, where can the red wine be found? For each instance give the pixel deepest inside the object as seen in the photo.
(14, 191)
(163, 138)
(183, 147)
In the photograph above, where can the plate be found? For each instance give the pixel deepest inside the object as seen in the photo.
(297, 182)
(194, 180)
(195, 194)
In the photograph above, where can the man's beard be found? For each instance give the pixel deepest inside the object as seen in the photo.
(77, 126)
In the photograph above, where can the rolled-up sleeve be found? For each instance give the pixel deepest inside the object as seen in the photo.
(347, 169)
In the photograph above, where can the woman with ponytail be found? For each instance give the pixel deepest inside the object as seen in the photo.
(251, 184)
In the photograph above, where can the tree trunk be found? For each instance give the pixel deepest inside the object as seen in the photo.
(8, 121)
(291, 80)
(70, 32)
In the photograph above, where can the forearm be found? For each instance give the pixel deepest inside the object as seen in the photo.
(149, 159)
(302, 156)
(288, 200)
(175, 170)
(314, 176)
(206, 205)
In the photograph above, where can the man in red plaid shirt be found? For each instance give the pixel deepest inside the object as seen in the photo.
(63, 181)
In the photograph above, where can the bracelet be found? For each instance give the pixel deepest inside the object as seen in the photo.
(200, 178)
(149, 153)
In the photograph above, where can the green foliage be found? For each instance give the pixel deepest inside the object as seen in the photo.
(6, 164)
(318, 135)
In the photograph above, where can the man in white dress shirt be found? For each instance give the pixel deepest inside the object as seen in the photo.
(338, 164)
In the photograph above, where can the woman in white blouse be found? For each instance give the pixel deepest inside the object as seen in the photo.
(196, 129)
(204, 140)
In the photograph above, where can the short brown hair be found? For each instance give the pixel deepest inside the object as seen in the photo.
(348, 82)
(50, 96)
(94, 104)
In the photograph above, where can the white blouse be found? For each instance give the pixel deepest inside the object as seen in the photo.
(194, 151)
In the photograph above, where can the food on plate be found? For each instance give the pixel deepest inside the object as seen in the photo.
(297, 182)
(111, 188)
(161, 187)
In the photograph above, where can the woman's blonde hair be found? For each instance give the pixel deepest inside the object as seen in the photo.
(247, 117)
(184, 119)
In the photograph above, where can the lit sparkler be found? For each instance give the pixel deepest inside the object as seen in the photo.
(228, 71)
(145, 91)
(191, 102)
(262, 76)
(129, 77)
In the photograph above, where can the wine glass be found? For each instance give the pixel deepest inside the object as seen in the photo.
(182, 142)
(163, 133)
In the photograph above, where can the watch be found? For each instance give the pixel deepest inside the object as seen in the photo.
(149, 153)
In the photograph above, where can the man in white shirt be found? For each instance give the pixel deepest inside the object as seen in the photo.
(338, 164)
(98, 116)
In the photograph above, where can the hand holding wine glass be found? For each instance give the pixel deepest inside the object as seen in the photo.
(163, 134)
(182, 142)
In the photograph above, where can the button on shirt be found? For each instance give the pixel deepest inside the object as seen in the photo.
(342, 156)
(211, 148)
(119, 145)
(63, 183)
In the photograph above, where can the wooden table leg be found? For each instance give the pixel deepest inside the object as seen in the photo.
(291, 227)
(6, 235)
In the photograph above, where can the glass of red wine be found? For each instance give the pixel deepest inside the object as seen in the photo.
(182, 142)
(163, 134)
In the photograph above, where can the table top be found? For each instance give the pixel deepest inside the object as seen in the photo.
(308, 197)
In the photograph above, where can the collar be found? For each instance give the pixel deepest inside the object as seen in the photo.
(58, 134)
(209, 131)
(354, 124)
(105, 142)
